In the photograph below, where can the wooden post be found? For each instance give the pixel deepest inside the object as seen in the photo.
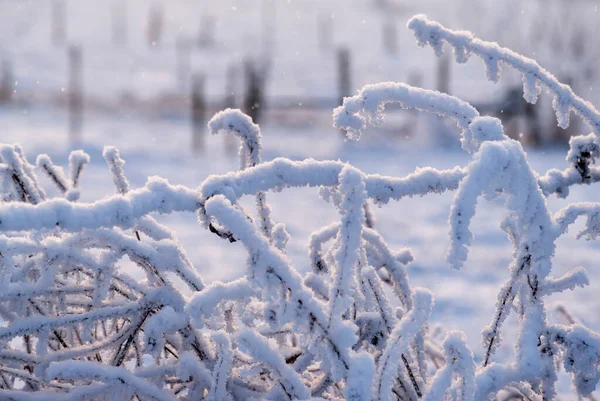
(343, 74)
(415, 78)
(183, 60)
(119, 23)
(390, 37)
(59, 22)
(6, 82)
(75, 93)
(253, 98)
(155, 25)
(198, 102)
(532, 124)
(443, 73)
(231, 86)
(325, 32)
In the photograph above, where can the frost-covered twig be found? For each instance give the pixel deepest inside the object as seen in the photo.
(78, 159)
(464, 43)
(403, 333)
(269, 264)
(117, 211)
(73, 370)
(459, 364)
(368, 104)
(57, 177)
(503, 166)
(349, 249)
(235, 121)
(283, 173)
(148, 225)
(290, 381)
(18, 171)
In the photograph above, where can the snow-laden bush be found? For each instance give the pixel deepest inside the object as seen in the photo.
(76, 326)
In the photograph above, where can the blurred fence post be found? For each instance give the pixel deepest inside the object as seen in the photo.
(253, 97)
(230, 87)
(75, 93)
(390, 36)
(443, 73)
(415, 79)
(6, 82)
(198, 102)
(155, 25)
(325, 32)
(532, 124)
(344, 84)
(59, 22)
(231, 84)
(183, 59)
(119, 23)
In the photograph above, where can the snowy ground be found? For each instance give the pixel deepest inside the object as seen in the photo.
(464, 299)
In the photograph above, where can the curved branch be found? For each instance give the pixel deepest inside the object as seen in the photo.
(465, 44)
(236, 122)
(368, 105)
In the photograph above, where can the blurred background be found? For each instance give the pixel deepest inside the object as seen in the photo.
(66, 64)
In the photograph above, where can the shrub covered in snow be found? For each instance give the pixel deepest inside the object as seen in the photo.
(76, 326)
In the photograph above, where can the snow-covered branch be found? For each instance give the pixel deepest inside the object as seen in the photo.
(115, 376)
(367, 106)
(240, 124)
(116, 211)
(465, 44)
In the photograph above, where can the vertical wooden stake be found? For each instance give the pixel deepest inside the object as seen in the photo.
(6, 82)
(198, 102)
(155, 25)
(344, 79)
(443, 73)
(532, 125)
(75, 93)
(206, 37)
(253, 98)
(231, 87)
